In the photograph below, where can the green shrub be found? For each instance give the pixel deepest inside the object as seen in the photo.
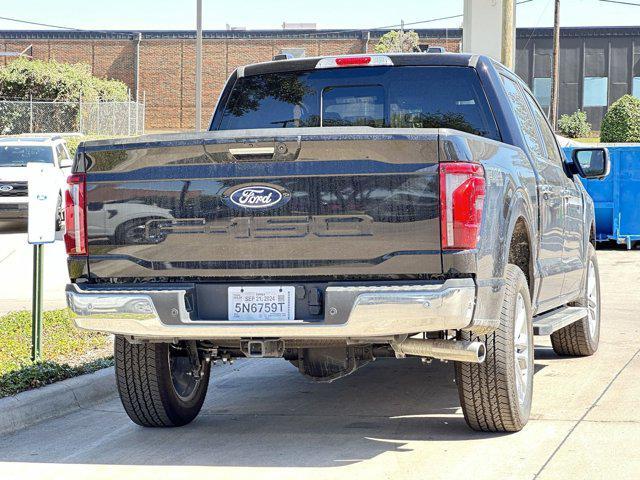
(43, 373)
(75, 140)
(621, 123)
(574, 125)
(56, 81)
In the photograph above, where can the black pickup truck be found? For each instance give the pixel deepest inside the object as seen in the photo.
(340, 209)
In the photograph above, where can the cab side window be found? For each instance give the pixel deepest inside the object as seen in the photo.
(525, 120)
(62, 152)
(549, 139)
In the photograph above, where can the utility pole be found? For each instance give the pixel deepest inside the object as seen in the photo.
(555, 71)
(508, 33)
(199, 65)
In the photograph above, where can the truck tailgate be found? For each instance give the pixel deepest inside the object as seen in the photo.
(252, 204)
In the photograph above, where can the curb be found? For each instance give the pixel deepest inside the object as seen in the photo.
(33, 406)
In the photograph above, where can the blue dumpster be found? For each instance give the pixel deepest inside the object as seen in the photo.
(617, 197)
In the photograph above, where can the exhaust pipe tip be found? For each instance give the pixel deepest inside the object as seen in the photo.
(481, 352)
(455, 350)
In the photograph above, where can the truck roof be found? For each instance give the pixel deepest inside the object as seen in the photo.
(30, 139)
(398, 59)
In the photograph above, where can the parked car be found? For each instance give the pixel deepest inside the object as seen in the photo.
(408, 205)
(15, 153)
(128, 223)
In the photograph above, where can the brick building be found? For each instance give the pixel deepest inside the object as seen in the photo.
(597, 64)
(165, 60)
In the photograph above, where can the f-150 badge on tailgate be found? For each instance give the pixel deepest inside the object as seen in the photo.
(256, 197)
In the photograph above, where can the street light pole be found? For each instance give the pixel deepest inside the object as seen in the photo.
(555, 77)
(199, 65)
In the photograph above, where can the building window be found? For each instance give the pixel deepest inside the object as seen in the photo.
(635, 90)
(542, 90)
(595, 92)
(294, 52)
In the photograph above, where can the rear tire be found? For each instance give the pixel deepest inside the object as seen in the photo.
(496, 395)
(154, 383)
(581, 338)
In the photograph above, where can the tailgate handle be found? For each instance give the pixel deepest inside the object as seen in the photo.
(251, 151)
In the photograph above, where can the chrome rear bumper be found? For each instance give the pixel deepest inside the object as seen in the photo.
(354, 312)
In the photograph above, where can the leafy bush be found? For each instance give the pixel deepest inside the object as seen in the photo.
(12, 118)
(574, 125)
(75, 140)
(621, 123)
(43, 373)
(395, 41)
(55, 81)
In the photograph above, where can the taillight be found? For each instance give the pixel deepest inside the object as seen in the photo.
(75, 237)
(461, 202)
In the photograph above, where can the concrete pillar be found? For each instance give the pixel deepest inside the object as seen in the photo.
(489, 29)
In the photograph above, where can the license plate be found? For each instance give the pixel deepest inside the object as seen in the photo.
(261, 303)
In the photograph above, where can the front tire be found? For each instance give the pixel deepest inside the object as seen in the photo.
(156, 383)
(581, 338)
(496, 395)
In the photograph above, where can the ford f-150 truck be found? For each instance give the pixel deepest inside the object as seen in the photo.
(340, 209)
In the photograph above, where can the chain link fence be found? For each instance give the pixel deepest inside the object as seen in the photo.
(87, 118)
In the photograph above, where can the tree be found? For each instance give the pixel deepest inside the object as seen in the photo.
(56, 81)
(395, 42)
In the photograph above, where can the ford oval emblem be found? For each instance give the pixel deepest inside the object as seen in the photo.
(256, 197)
(5, 188)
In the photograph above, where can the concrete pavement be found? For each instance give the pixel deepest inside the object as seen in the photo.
(16, 267)
(391, 419)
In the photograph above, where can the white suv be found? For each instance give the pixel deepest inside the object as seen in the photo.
(15, 153)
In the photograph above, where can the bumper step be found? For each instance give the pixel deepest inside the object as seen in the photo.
(549, 322)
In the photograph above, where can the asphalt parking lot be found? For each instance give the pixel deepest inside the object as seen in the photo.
(391, 419)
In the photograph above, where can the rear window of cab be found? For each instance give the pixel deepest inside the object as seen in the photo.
(380, 97)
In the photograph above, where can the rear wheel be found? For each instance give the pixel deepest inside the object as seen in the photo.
(496, 395)
(160, 385)
(581, 338)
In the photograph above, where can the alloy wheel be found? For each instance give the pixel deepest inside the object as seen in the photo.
(521, 349)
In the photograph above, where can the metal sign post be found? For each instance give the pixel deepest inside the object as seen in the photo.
(43, 203)
(36, 305)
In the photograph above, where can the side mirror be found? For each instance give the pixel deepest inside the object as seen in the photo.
(591, 162)
(66, 163)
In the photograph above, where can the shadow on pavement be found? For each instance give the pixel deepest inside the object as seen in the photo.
(267, 415)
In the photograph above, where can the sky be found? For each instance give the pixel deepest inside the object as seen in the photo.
(269, 14)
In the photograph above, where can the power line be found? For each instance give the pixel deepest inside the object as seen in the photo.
(384, 27)
(17, 20)
(537, 24)
(621, 3)
(313, 34)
